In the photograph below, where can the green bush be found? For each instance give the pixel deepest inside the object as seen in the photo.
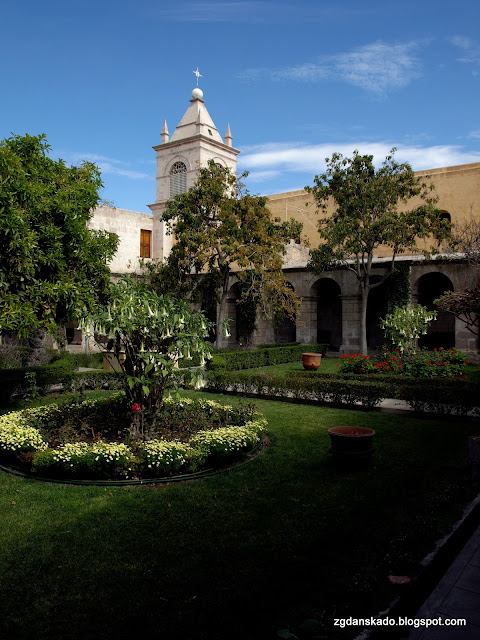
(269, 355)
(16, 381)
(441, 395)
(82, 460)
(73, 440)
(420, 364)
(319, 388)
(95, 380)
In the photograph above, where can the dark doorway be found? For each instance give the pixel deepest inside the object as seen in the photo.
(377, 308)
(441, 332)
(329, 313)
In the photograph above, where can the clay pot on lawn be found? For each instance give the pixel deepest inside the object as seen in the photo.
(311, 361)
(351, 445)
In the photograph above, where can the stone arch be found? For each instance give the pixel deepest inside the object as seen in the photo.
(285, 329)
(377, 308)
(326, 295)
(441, 332)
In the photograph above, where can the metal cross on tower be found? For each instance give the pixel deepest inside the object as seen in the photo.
(198, 74)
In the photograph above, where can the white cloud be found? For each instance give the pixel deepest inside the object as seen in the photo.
(470, 48)
(376, 67)
(286, 160)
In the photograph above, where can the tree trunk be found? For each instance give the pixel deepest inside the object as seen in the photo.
(221, 307)
(363, 320)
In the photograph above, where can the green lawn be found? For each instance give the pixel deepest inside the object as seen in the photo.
(328, 365)
(238, 555)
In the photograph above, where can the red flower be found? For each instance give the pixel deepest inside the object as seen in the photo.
(136, 407)
(467, 362)
(400, 366)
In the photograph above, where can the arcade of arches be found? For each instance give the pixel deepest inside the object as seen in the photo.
(330, 309)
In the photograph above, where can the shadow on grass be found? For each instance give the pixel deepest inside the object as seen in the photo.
(239, 555)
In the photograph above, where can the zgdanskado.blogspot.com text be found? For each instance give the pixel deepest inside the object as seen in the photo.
(416, 623)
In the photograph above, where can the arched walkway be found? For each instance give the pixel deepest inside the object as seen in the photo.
(441, 332)
(327, 294)
(376, 309)
(285, 329)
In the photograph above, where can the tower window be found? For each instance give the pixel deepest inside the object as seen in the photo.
(145, 243)
(178, 179)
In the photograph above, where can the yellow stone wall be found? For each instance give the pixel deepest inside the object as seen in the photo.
(457, 189)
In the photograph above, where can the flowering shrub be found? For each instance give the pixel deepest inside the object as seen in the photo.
(228, 430)
(153, 333)
(228, 440)
(406, 324)
(16, 435)
(421, 364)
(357, 363)
(81, 459)
(437, 362)
(164, 457)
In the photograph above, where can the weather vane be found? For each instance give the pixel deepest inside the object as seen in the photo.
(198, 74)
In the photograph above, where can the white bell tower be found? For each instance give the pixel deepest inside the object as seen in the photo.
(195, 141)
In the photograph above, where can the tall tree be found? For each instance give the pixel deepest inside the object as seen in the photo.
(368, 215)
(219, 229)
(51, 264)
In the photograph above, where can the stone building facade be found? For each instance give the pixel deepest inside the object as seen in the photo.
(330, 303)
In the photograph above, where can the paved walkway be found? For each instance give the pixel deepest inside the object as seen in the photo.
(457, 595)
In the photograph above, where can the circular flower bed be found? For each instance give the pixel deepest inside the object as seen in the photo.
(91, 440)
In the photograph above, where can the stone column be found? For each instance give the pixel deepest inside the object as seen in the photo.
(307, 329)
(350, 324)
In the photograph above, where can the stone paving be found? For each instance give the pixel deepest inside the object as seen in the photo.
(457, 595)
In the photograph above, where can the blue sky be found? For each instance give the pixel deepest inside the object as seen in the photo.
(296, 82)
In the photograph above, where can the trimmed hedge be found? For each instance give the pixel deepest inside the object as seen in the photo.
(269, 355)
(324, 389)
(432, 396)
(95, 380)
(15, 381)
(441, 395)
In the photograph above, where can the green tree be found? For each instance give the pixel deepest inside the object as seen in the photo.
(368, 216)
(221, 229)
(51, 265)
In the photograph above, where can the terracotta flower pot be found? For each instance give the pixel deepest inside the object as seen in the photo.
(311, 361)
(351, 443)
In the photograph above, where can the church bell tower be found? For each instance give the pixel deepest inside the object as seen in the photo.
(195, 141)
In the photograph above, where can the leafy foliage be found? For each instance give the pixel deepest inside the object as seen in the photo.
(369, 215)
(433, 363)
(406, 324)
(220, 228)
(152, 332)
(51, 264)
